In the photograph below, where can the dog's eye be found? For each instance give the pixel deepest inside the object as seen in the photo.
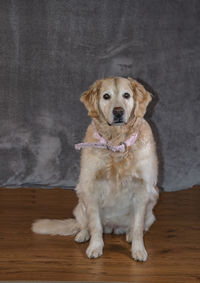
(126, 95)
(106, 96)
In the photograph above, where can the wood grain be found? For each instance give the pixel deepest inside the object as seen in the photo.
(173, 243)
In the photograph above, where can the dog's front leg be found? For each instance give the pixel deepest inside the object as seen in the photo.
(138, 250)
(95, 248)
(90, 196)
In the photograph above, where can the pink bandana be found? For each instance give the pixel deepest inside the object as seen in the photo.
(106, 144)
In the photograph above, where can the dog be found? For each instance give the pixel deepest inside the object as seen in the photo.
(117, 187)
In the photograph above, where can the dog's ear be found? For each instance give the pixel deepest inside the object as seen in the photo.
(90, 99)
(142, 97)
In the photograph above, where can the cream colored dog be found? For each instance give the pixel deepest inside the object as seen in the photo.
(117, 184)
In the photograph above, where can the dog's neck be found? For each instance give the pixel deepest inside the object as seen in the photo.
(116, 134)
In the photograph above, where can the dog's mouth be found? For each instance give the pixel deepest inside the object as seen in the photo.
(117, 122)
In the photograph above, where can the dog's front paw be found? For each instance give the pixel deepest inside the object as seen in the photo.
(139, 253)
(95, 250)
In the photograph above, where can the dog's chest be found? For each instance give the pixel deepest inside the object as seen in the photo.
(115, 180)
(116, 167)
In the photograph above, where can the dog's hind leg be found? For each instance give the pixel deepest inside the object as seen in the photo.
(80, 214)
(149, 220)
(107, 229)
(120, 230)
(149, 215)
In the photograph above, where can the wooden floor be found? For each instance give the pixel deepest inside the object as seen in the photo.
(173, 243)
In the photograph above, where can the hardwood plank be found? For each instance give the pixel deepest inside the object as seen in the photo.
(173, 243)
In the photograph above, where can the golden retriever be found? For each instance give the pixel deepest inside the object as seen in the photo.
(117, 184)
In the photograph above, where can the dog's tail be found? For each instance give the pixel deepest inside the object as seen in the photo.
(56, 227)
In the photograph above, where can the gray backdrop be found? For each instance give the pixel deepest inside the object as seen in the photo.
(51, 51)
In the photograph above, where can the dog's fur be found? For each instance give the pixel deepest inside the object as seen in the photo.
(117, 191)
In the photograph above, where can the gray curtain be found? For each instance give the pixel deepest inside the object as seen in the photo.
(51, 51)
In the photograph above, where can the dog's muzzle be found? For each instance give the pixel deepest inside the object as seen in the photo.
(118, 115)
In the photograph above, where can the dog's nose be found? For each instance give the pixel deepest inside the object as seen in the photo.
(118, 112)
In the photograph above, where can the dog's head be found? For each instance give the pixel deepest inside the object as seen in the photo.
(117, 100)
